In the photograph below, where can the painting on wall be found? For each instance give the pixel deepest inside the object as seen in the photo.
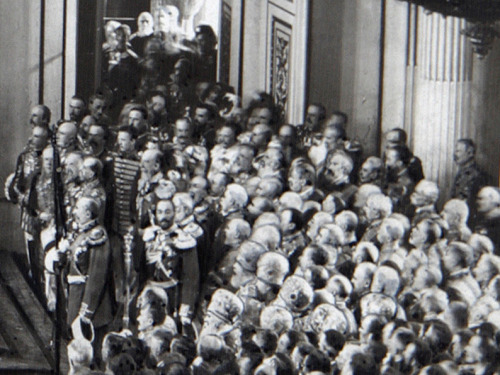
(281, 38)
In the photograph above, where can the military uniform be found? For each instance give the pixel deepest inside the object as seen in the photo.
(307, 137)
(143, 194)
(17, 190)
(220, 159)
(71, 190)
(88, 276)
(41, 198)
(467, 183)
(27, 167)
(41, 201)
(93, 189)
(172, 263)
(160, 135)
(123, 174)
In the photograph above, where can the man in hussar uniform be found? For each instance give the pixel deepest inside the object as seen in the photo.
(172, 261)
(123, 173)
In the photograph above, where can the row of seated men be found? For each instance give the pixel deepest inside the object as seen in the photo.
(226, 242)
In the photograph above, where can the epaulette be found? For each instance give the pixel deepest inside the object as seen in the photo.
(184, 241)
(97, 236)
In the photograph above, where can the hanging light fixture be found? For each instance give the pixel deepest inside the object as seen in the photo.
(480, 14)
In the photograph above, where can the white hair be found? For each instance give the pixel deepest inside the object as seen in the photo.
(458, 207)
(394, 228)
(268, 235)
(183, 199)
(429, 189)
(241, 226)
(364, 192)
(346, 162)
(238, 193)
(493, 194)
(380, 203)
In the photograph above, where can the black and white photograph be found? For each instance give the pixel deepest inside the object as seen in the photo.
(250, 187)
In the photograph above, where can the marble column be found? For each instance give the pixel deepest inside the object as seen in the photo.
(441, 94)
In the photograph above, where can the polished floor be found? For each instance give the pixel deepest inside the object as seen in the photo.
(26, 329)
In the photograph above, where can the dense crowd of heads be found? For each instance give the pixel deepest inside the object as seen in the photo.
(241, 244)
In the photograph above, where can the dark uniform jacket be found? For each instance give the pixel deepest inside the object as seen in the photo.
(172, 261)
(468, 181)
(89, 275)
(27, 167)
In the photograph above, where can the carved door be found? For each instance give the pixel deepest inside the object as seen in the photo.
(286, 50)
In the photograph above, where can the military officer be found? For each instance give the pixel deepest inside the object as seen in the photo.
(18, 185)
(469, 179)
(89, 298)
(91, 187)
(172, 261)
(146, 180)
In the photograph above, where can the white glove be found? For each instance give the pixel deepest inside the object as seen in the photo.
(185, 314)
(63, 245)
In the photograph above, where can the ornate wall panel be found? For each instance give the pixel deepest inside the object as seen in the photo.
(281, 38)
(286, 56)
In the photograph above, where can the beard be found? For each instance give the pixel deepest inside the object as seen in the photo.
(165, 224)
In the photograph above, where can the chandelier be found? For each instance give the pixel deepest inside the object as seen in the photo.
(480, 14)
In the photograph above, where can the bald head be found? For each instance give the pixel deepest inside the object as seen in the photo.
(66, 134)
(488, 199)
(40, 115)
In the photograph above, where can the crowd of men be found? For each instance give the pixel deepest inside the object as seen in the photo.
(195, 236)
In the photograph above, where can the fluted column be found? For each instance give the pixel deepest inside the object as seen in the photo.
(442, 94)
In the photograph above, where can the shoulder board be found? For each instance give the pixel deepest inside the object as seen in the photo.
(97, 236)
(184, 241)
